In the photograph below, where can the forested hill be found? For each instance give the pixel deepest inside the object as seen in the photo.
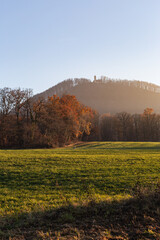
(109, 95)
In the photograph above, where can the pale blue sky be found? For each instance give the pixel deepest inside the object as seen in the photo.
(43, 42)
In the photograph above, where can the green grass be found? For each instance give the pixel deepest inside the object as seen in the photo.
(48, 178)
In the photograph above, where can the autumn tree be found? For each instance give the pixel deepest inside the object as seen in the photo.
(108, 127)
(148, 124)
(125, 126)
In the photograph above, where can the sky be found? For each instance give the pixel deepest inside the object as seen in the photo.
(43, 42)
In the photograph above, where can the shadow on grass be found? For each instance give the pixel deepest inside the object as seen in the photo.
(135, 218)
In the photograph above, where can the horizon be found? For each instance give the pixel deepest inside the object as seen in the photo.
(45, 43)
(91, 80)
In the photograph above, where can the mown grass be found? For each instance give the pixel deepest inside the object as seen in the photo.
(45, 179)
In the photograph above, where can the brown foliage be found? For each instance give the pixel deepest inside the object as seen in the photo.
(44, 123)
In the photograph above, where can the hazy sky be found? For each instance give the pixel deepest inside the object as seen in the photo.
(43, 42)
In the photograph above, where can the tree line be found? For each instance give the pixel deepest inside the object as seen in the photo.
(131, 83)
(43, 123)
(57, 121)
(130, 127)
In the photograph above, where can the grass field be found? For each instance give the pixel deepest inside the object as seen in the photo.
(46, 179)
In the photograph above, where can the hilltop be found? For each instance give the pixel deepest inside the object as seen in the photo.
(109, 95)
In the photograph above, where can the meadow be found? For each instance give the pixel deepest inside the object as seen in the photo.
(42, 180)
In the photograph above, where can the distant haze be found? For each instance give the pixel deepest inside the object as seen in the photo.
(107, 95)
